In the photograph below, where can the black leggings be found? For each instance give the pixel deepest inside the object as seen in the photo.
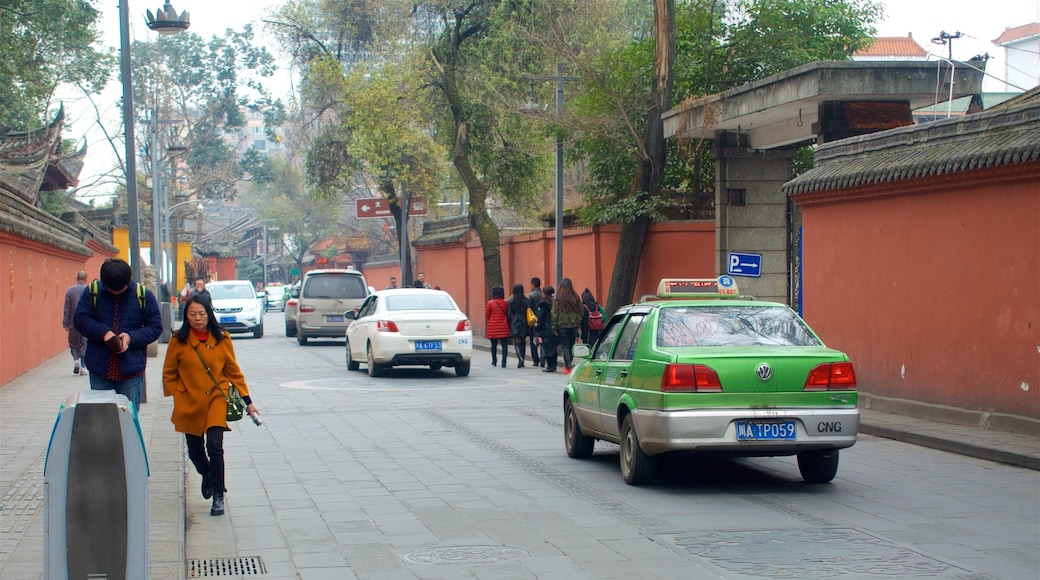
(213, 447)
(505, 348)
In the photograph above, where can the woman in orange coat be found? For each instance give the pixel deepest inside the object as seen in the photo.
(199, 409)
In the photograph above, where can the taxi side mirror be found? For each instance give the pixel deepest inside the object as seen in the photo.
(349, 315)
(580, 350)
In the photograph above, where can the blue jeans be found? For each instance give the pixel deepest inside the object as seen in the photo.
(131, 388)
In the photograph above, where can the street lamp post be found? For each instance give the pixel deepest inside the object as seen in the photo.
(169, 211)
(532, 107)
(169, 23)
(157, 239)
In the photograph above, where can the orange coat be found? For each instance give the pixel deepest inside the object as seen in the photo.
(196, 404)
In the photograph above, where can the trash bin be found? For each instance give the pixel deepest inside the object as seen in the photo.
(95, 483)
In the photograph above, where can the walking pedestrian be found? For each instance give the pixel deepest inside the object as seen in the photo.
(518, 329)
(393, 283)
(496, 314)
(120, 318)
(201, 355)
(534, 297)
(592, 318)
(566, 320)
(77, 342)
(546, 338)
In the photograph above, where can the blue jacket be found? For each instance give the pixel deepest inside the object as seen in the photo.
(93, 322)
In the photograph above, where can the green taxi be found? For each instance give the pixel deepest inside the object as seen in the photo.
(699, 369)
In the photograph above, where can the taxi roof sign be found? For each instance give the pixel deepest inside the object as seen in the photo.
(698, 287)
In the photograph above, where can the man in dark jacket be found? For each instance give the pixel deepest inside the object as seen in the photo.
(118, 330)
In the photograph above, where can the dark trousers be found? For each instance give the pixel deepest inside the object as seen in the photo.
(534, 349)
(494, 346)
(207, 455)
(549, 354)
(567, 338)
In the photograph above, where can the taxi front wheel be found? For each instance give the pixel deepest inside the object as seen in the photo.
(579, 445)
(637, 468)
(818, 466)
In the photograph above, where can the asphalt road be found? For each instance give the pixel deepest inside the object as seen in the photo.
(422, 474)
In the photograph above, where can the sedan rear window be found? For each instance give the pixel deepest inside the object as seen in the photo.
(732, 326)
(419, 302)
(335, 287)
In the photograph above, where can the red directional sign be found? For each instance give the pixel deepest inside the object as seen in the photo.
(379, 207)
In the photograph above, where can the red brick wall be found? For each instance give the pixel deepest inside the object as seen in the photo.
(932, 286)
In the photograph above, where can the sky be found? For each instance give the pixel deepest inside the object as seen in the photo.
(979, 23)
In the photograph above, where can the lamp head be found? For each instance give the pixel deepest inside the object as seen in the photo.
(166, 20)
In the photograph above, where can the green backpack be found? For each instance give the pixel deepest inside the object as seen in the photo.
(93, 289)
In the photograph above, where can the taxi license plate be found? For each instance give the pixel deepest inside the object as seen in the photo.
(333, 318)
(765, 431)
(428, 345)
(227, 319)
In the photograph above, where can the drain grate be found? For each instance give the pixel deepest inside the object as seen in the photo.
(245, 566)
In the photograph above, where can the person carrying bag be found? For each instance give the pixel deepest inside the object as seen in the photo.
(199, 360)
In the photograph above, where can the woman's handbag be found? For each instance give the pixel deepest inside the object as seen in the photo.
(531, 318)
(236, 407)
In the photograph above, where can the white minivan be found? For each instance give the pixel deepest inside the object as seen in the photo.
(324, 296)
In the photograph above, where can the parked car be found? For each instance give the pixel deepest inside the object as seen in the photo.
(699, 369)
(237, 307)
(276, 296)
(324, 296)
(409, 326)
(292, 304)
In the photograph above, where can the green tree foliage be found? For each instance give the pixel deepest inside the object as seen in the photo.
(44, 43)
(205, 84)
(277, 193)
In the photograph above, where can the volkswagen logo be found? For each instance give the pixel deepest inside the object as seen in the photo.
(764, 372)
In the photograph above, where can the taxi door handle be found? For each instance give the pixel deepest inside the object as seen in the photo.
(599, 372)
(623, 373)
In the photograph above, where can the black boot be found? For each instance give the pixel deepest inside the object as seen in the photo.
(218, 504)
(207, 486)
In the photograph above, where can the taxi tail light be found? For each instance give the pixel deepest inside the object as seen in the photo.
(306, 308)
(463, 325)
(831, 377)
(686, 378)
(386, 326)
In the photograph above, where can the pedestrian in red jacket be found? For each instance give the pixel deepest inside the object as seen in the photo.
(495, 313)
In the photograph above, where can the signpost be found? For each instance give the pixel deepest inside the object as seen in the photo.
(379, 207)
(745, 264)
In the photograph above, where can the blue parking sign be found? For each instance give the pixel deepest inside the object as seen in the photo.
(745, 264)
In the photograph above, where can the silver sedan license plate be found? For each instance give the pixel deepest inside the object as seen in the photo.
(765, 431)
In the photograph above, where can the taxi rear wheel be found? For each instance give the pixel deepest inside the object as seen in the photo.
(462, 369)
(579, 445)
(637, 468)
(818, 466)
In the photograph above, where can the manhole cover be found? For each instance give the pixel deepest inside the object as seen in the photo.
(465, 555)
(807, 553)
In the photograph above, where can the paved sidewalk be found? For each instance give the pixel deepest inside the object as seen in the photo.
(28, 410)
(29, 406)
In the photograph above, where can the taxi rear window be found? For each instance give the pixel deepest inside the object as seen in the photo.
(731, 326)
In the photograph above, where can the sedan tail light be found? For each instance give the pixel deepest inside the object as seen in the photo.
(831, 377)
(684, 378)
(386, 326)
(306, 308)
(462, 326)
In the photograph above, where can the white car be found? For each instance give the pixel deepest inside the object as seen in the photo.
(237, 307)
(409, 326)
